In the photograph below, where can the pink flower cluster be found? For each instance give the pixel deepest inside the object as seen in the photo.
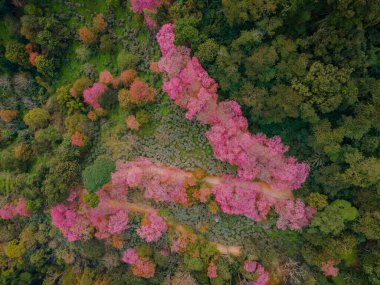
(254, 267)
(75, 219)
(329, 268)
(130, 256)
(293, 214)
(235, 196)
(256, 156)
(78, 139)
(132, 123)
(158, 182)
(149, 22)
(180, 243)
(138, 6)
(105, 77)
(152, 228)
(92, 94)
(141, 266)
(147, 7)
(238, 197)
(71, 218)
(212, 270)
(10, 211)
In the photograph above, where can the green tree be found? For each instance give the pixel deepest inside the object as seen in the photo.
(16, 53)
(106, 44)
(186, 32)
(207, 51)
(59, 180)
(126, 60)
(369, 225)
(15, 249)
(37, 118)
(45, 65)
(332, 220)
(48, 137)
(97, 174)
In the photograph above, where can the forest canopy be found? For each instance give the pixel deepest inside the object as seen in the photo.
(190, 142)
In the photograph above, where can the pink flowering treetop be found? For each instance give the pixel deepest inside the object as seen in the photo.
(212, 270)
(138, 6)
(158, 182)
(165, 38)
(261, 276)
(141, 266)
(132, 123)
(256, 156)
(105, 77)
(293, 214)
(235, 196)
(75, 219)
(329, 269)
(11, 210)
(152, 228)
(149, 21)
(78, 139)
(92, 94)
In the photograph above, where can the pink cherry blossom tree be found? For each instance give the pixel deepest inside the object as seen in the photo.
(152, 228)
(11, 210)
(75, 219)
(141, 266)
(329, 269)
(262, 276)
(92, 94)
(138, 6)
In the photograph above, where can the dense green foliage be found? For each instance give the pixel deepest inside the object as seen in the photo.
(97, 174)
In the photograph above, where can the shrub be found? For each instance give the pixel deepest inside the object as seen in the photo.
(105, 77)
(113, 3)
(141, 93)
(23, 152)
(132, 123)
(123, 97)
(98, 174)
(45, 65)
(108, 99)
(63, 95)
(128, 76)
(15, 249)
(23, 84)
(59, 180)
(208, 51)
(37, 118)
(106, 44)
(48, 136)
(16, 53)
(127, 60)
(99, 24)
(142, 117)
(91, 200)
(76, 122)
(83, 54)
(77, 139)
(87, 36)
(8, 115)
(89, 70)
(92, 249)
